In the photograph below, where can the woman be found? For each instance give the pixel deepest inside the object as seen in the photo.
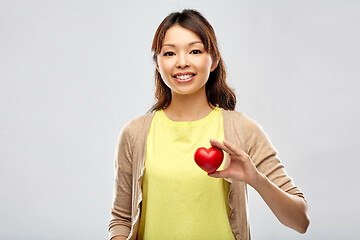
(160, 193)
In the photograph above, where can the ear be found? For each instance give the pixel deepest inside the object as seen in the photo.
(214, 65)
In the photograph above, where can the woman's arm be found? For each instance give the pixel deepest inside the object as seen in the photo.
(291, 210)
(120, 223)
(119, 238)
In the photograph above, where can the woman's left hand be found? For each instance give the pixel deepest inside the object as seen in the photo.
(291, 210)
(241, 167)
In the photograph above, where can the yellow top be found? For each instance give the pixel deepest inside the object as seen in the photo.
(179, 200)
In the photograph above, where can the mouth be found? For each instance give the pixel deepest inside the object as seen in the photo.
(184, 77)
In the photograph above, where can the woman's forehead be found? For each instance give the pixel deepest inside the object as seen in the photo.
(177, 35)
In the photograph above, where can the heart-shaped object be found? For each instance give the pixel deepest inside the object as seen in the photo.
(209, 159)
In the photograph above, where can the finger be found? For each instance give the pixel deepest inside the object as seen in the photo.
(216, 143)
(235, 150)
(218, 174)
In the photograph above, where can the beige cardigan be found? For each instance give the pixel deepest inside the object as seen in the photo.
(239, 130)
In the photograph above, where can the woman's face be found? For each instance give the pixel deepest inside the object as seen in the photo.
(183, 62)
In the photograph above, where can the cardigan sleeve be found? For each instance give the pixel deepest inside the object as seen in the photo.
(260, 149)
(120, 223)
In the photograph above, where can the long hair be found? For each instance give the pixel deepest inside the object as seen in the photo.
(217, 91)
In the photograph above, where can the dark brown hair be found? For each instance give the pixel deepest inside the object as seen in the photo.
(217, 91)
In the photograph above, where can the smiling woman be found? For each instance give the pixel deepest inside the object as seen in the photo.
(199, 39)
(160, 192)
(183, 63)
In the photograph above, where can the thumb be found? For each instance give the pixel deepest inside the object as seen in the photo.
(218, 174)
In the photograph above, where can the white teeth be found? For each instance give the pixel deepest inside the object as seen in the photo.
(183, 77)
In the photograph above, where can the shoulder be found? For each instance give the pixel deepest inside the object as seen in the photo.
(250, 133)
(246, 129)
(139, 121)
(136, 126)
(240, 120)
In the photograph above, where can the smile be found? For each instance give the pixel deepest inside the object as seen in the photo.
(182, 78)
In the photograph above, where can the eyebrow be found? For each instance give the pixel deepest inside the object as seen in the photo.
(173, 45)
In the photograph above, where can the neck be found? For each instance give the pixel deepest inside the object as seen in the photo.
(189, 107)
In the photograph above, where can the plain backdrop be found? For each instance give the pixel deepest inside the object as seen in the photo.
(74, 72)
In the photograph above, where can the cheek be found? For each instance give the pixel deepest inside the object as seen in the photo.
(164, 69)
(163, 66)
(209, 64)
(206, 64)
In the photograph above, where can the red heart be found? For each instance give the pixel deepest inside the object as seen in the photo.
(209, 159)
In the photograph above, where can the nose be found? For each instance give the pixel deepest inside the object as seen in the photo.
(182, 61)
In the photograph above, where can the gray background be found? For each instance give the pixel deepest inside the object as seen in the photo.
(74, 72)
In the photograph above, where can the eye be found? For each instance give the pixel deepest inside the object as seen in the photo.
(168, 54)
(196, 51)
